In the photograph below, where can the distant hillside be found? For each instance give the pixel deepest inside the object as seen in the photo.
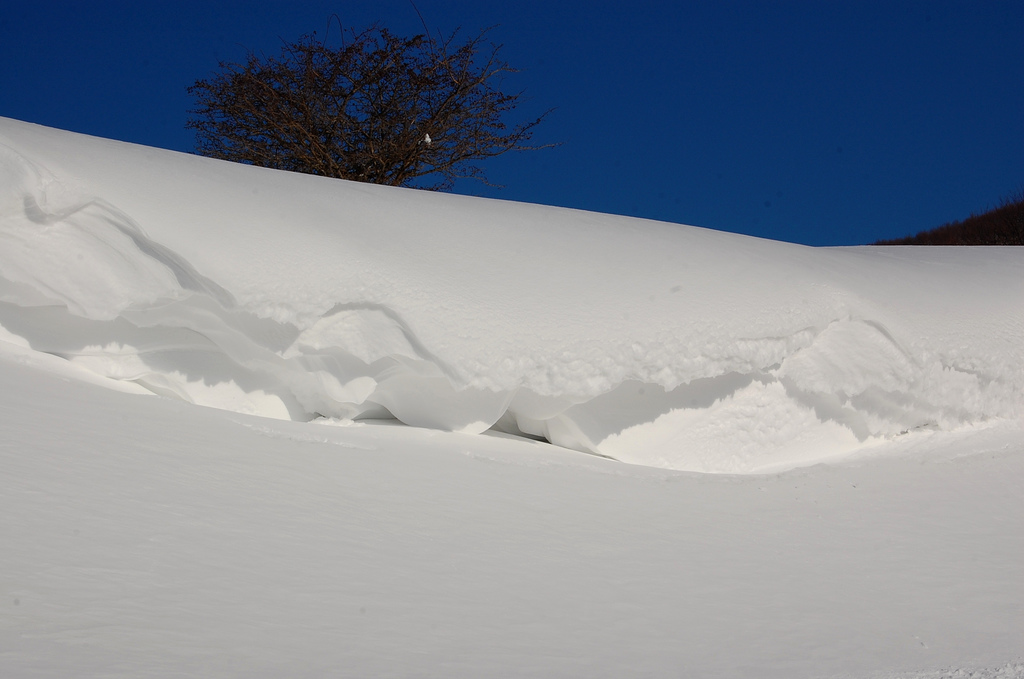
(1002, 226)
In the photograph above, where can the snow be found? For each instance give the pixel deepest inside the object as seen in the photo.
(296, 297)
(860, 410)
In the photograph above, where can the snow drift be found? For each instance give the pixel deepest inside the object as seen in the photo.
(300, 297)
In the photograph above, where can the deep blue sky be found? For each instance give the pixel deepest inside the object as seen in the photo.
(823, 123)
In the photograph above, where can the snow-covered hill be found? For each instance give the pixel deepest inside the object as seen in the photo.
(295, 297)
(296, 530)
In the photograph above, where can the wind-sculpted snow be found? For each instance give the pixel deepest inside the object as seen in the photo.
(299, 297)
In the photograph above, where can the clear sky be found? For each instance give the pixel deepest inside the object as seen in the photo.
(824, 123)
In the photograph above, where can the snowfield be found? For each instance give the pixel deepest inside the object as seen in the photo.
(825, 447)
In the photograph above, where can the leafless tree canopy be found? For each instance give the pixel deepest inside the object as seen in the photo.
(1003, 225)
(378, 108)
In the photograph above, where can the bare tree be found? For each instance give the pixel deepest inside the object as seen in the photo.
(378, 108)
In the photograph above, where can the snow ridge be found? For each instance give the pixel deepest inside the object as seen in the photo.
(730, 354)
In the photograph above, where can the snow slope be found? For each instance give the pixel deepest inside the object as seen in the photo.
(296, 297)
(146, 537)
(871, 399)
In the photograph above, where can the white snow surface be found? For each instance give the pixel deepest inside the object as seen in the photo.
(862, 408)
(296, 297)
